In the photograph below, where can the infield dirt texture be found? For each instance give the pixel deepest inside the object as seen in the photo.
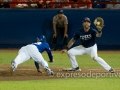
(30, 73)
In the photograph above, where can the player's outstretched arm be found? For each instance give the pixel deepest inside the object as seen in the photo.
(99, 34)
(71, 42)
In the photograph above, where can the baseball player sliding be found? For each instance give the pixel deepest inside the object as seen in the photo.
(34, 51)
(87, 36)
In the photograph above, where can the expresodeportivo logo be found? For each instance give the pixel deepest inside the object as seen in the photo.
(86, 74)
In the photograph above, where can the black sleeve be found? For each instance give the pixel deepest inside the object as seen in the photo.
(76, 36)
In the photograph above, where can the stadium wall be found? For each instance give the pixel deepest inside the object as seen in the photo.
(19, 27)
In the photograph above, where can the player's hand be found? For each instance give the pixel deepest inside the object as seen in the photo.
(63, 51)
(66, 35)
(39, 71)
(51, 61)
(54, 35)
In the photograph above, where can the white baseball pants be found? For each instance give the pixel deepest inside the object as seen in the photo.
(27, 52)
(92, 51)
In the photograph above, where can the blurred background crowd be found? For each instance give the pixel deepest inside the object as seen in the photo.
(46, 4)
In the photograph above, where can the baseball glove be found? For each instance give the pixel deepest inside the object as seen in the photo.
(99, 23)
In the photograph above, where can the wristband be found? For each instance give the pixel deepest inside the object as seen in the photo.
(99, 31)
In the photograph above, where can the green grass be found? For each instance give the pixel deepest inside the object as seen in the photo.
(64, 84)
(61, 60)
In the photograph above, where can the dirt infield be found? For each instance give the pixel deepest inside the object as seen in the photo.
(30, 73)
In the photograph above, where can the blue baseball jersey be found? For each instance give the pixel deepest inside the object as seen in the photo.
(87, 39)
(43, 46)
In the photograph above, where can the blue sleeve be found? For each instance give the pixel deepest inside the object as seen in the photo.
(48, 50)
(36, 64)
(50, 56)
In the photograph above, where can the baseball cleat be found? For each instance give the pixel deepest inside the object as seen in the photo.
(112, 70)
(72, 69)
(13, 66)
(39, 71)
(50, 72)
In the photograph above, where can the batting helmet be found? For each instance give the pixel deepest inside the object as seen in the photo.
(41, 38)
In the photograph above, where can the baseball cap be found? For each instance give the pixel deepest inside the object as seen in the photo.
(86, 19)
(60, 12)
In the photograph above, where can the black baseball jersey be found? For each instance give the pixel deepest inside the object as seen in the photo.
(87, 39)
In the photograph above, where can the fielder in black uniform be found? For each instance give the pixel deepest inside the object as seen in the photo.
(87, 36)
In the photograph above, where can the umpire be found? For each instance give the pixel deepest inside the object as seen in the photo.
(60, 27)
